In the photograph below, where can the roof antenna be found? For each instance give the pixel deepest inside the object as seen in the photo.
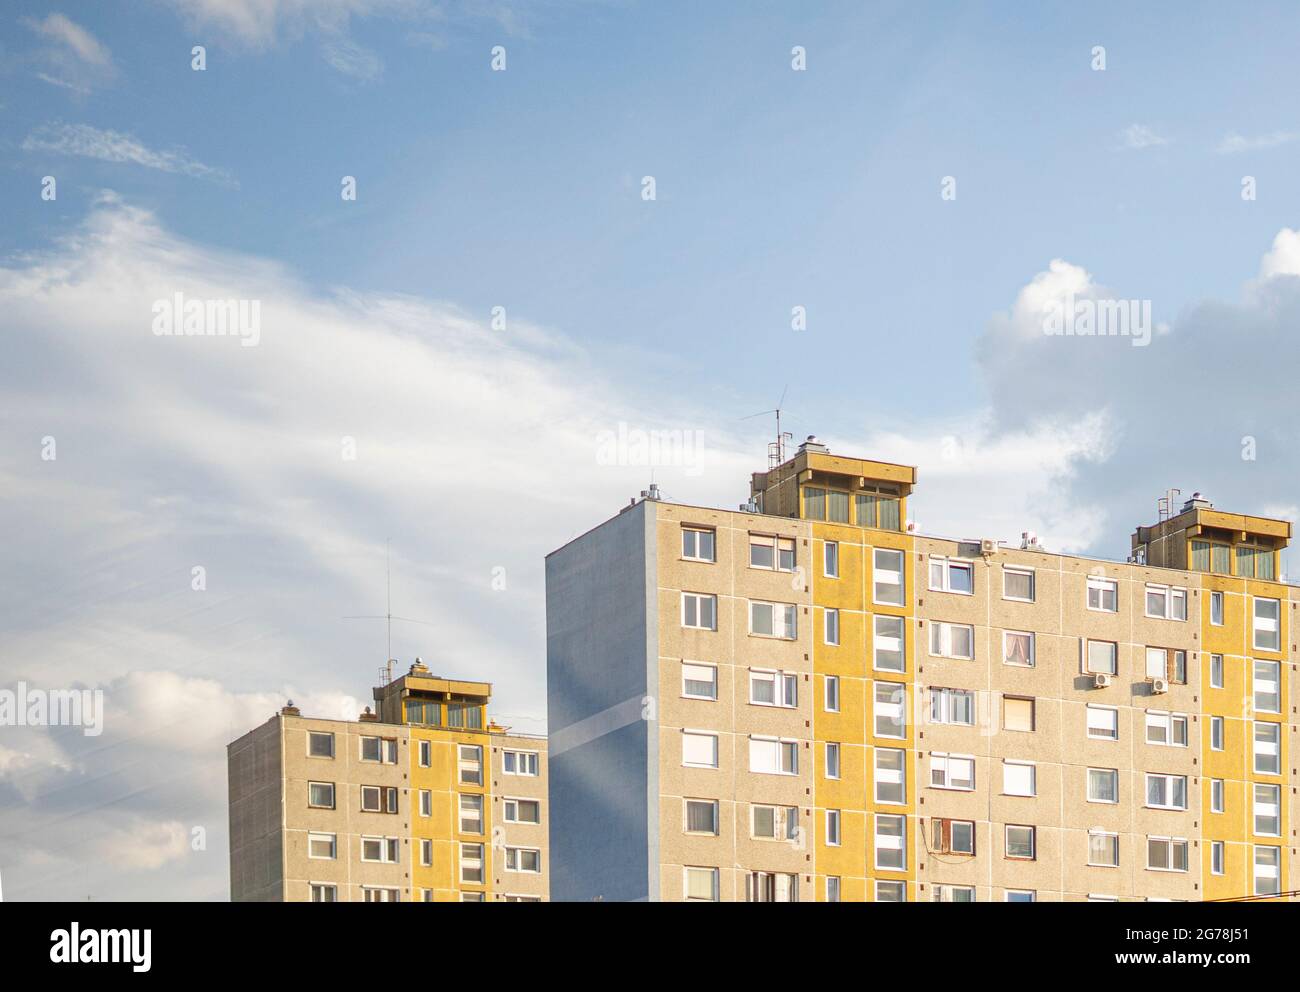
(386, 673)
(775, 449)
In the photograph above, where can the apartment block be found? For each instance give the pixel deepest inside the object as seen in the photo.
(807, 700)
(422, 800)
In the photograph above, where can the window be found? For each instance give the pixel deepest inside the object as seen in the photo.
(1216, 733)
(699, 750)
(1103, 594)
(831, 626)
(699, 611)
(1216, 609)
(1268, 862)
(320, 745)
(878, 506)
(891, 775)
(1268, 699)
(426, 802)
(378, 799)
(322, 847)
(1103, 785)
(767, 886)
(832, 888)
(1018, 714)
(1166, 791)
(1216, 671)
(833, 828)
(771, 756)
(1268, 809)
(1018, 584)
(831, 693)
(524, 859)
(1164, 664)
(774, 553)
(698, 544)
(1254, 561)
(320, 795)
(891, 837)
(418, 711)
(523, 811)
(519, 763)
(774, 822)
(1018, 648)
(773, 688)
(1018, 778)
(426, 754)
(385, 850)
(465, 715)
(952, 771)
(1021, 895)
(324, 893)
(1102, 658)
(1216, 795)
(950, 575)
(700, 884)
(952, 836)
(891, 892)
(1103, 849)
(1166, 854)
(1166, 602)
(831, 559)
(890, 718)
(699, 681)
(1267, 630)
(772, 620)
(825, 504)
(1020, 842)
(953, 893)
(1216, 857)
(952, 640)
(381, 749)
(473, 897)
(471, 863)
(371, 894)
(426, 853)
(470, 764)
(1168, 729)
(702, 816)
(1267, 753)
(832, 760)
(887, 586)
(887, 646)
(952, 706)
(1103, 723)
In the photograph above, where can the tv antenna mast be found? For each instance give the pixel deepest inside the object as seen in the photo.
(386, 673)
(775, 449)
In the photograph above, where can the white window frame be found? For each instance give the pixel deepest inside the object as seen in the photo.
(701, 734)
(1170, 596)
(832, 747)
(1275, 748)
(687, 529)
(1101, 584)
(787, 629)
(1033, 778)
(831, 559)
(510, 809)
(900, 573)
(1169, 780)
(878, 640)
(831, 626)
(941, 763)
(686, 817)
(686, 883)
(1006, 842)
(943, 697)
(947, 566)
(334, 796)
(1216, 608)
(1006, 654)
(944, 630)
(426, 802)
(1163, 719)
(1256, 681)
(1269, 627)
(1216, 671)
(1020, 570)
(778, 545)
(833, 836)
(1113, 837)
(1272, 871)
(785, 688)
(1217, 857)
(1216, 733)
(1114, 776)
(894, 842)
(698, 598)
(522, 761)
(1276, 805)
(1088, 726)
(333, 841)
(390, 849)
(1170, 843)
(876, 705)
(699, 666)
(311, 734)
(513, 860)
(831, 693)
(787, 755)
(891, 776)
(1217, 795)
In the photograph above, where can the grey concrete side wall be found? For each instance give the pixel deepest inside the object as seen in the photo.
(253, 773)
(601, 646)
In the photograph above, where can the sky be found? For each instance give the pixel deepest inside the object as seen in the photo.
(441, 362)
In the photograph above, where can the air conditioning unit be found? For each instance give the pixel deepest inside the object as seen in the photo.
(988, 546)
(1100, 681)
(1159, 686)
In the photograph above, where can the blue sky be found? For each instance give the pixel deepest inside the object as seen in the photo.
(522, 189)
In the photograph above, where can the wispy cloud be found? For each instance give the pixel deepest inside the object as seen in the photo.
(1139, 136)
(351, 59)
(1233, 143)
(74, 58)
(114, 146)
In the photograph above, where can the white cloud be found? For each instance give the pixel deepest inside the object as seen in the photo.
(73, 36)
(1139, 136)
(1233, 143)
(351, 59)
(114, 146)
(73, 59)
